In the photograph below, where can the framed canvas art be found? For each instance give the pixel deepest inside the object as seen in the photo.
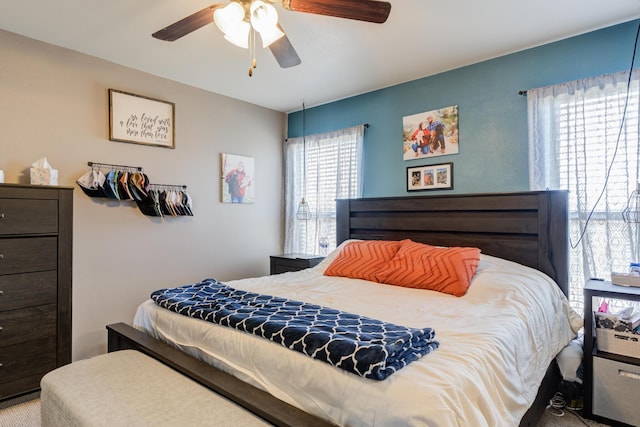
(430, 134)
(141, 120)
(237, 183)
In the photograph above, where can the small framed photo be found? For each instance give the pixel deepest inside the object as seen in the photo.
(430, 177)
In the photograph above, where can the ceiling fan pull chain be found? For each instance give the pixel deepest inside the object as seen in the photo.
(252, 50)
(254, 63)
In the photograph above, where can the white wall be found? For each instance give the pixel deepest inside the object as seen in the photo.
(54, 103)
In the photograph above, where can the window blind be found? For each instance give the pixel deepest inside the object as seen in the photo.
(321, 168)
(583, 137)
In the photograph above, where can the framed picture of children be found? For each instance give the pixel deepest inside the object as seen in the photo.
(430, 177)
(237, 183)
(430, 134)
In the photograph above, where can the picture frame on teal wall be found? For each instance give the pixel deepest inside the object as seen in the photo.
(430, 177)
(430, 134)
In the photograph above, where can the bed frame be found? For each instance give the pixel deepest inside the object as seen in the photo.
(530, 228)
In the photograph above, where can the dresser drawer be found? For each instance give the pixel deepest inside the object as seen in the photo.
(32, 359)
(28, 290)
(615, 390)
(26, 255)
(20, 386)
(27, 324)
(24, 216)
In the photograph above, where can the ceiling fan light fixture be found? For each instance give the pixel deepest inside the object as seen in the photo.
(269, 36)
(264, 19)
(239, 34)
(228, 17)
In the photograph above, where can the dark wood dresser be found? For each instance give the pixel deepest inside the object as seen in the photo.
(35, 284)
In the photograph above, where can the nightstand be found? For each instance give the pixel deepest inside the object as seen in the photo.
(293, 262)
(611, 381)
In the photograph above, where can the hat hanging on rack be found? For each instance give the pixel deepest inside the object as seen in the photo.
(304, 211)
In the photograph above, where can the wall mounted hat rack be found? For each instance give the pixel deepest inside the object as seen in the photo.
(112, 166)
(130, 183)
(168, 186)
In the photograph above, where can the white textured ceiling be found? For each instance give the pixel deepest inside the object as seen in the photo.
(340, 58)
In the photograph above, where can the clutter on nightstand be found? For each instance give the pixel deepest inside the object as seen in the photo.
(632, 278)
(619, 332)
(624, 279)
(611, 357)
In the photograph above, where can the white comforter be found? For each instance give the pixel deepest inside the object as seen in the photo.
(495, 345)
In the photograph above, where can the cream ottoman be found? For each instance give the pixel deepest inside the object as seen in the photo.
(127, 388)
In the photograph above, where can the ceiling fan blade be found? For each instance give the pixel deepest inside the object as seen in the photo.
(284, 52)
(360, 10)
(187, 25)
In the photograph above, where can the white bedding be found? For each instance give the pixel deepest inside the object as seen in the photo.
(496, 343)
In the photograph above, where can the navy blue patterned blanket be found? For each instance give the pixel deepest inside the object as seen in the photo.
(361, 345)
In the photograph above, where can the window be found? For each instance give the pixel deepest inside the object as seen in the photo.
(583, 137)
(321, 168)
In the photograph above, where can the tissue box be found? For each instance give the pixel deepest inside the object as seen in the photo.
(40, 176)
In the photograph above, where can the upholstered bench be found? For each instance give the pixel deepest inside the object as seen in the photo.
(127, 388)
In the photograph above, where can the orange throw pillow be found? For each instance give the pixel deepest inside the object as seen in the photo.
(362, 260)
(447, 270)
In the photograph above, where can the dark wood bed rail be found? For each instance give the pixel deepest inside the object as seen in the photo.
(530, 228)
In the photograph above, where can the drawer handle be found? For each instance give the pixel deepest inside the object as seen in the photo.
(629, 374)
(1, 328)
(1, 293)
(1, 215)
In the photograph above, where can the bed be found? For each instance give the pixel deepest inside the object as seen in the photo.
(493, 367)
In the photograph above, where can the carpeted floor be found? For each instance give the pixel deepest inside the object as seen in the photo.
(569, 419)
(25, 412)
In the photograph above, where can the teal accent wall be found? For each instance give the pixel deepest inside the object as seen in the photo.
(493, 152)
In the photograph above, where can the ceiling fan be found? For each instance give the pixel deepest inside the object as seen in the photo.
(238, 19)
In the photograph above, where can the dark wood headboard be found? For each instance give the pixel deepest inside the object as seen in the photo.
(530, 228)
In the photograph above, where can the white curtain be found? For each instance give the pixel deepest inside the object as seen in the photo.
(321, 168)
(583, 137)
